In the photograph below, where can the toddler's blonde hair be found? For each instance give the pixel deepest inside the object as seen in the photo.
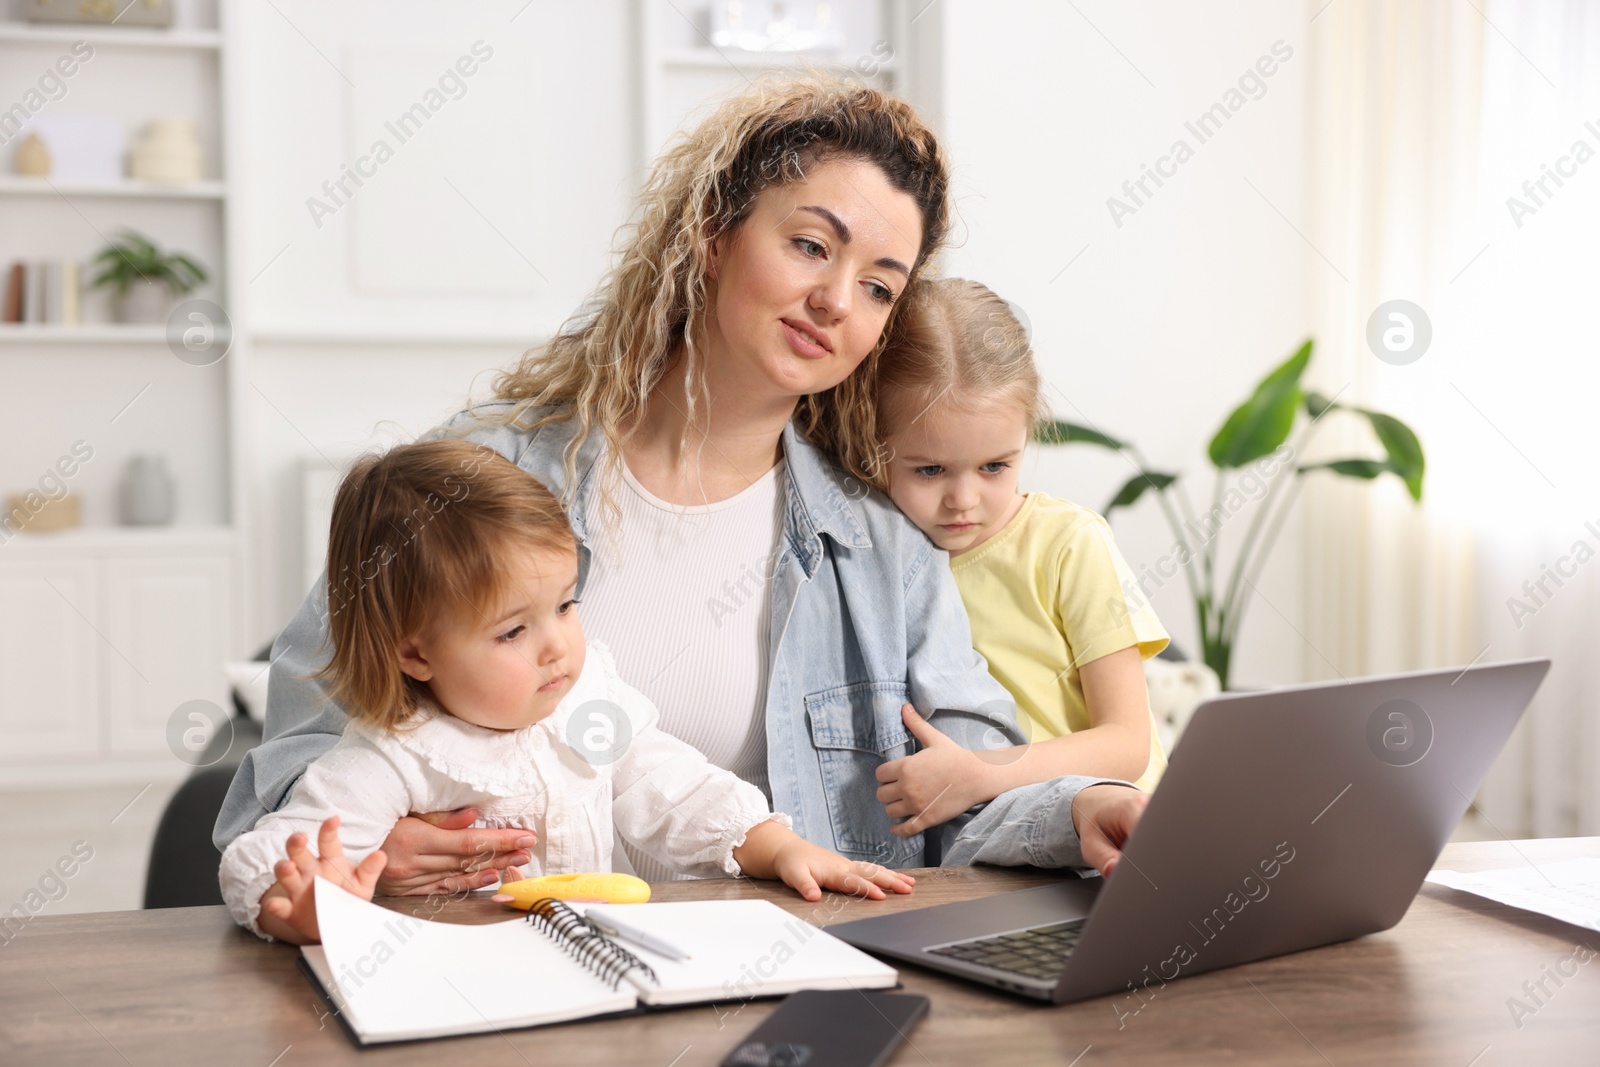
(419, 537)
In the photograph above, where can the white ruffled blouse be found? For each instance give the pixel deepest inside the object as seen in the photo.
(598, 760)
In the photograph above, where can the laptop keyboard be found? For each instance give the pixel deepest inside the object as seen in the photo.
(1038, 953)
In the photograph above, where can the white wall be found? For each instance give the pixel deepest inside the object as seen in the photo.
(1153, 333)
(375, 324)
(497, 212)
(1161, 326)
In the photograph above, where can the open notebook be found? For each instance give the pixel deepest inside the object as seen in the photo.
(395, 977)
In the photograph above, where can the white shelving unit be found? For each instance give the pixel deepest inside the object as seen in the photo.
(12, 185)
(717, 59)
(176, 39)
(95, 333)
(105, 634)
(108, 629)
(680, 69)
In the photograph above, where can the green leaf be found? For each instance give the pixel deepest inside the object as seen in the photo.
(115, 273)
(1405, 451)
(1262, 423)
(138, 248)
(133, 256)
(1134, 488)
(1316, 404)
(1367, 469)
(1056, 432)
(1405, 457)
(194, 273)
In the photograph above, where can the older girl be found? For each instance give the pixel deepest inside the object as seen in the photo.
(1041, 578)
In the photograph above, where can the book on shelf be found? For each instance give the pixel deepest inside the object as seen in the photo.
(44, 291)
(16, 285)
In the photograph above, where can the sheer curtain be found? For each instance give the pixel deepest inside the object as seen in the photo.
(1426, 119)
(1532, 368)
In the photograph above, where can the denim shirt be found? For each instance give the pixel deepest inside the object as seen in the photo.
(865, 617)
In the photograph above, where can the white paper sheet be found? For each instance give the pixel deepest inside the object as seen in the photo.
(740, 949)
(1568, 890)
(400, 977)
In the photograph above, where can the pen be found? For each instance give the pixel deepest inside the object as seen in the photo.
(613, 928)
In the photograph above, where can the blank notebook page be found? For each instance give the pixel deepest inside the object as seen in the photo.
(739, 949)
(399, 977)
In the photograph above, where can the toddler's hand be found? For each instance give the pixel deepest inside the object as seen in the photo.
(811, 868)
(772, 850)
(289, 908)
(931, 786)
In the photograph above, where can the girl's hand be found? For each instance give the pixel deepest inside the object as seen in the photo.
(772, 850)
(810, 869)
(931, 786)
(1104, 817)
(289, 908)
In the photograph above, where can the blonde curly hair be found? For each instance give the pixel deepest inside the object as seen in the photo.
(604, 361)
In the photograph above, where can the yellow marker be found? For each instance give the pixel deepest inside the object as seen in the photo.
(606, 886)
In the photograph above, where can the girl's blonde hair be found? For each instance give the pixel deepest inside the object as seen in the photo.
(603, 363)
(420, 536)
(956, 342)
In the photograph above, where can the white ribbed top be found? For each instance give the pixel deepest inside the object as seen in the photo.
(681, 595)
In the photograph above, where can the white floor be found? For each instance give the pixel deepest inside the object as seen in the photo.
(115, 825)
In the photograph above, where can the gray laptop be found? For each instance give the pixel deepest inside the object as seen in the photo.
(1286, 819)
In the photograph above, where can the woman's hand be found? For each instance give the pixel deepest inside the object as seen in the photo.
(440, 852)
(931, 786)
(771, 850)
(289, 907)
(1104, 816)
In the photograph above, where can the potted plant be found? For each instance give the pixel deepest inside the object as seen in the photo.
(145, 280)
(1252, 444)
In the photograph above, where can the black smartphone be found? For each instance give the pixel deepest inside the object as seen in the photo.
(833, 1028)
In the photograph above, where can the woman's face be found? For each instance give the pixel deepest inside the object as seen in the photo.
(801, 291)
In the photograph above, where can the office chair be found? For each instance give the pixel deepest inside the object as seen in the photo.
(183, 861)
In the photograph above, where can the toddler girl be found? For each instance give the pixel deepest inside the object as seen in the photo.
(1041, 578)
(458, 655)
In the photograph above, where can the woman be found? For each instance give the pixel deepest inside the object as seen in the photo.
(693, 419)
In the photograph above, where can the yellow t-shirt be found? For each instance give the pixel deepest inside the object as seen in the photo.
(1046, 595)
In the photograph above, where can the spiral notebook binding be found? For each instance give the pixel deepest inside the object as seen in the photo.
(585, 943)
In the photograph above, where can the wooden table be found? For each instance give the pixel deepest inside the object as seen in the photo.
(165, 988)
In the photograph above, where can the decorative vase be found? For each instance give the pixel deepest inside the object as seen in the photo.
(145, 301)
(33, 157)
(169, 151)
(147, 493)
